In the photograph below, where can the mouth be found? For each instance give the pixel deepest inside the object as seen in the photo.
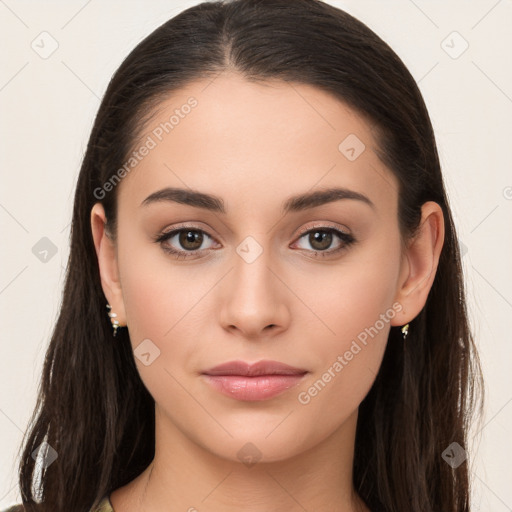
(253, 382)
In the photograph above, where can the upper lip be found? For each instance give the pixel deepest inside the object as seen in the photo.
(252, 369)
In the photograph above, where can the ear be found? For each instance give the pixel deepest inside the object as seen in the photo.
(419, 263)
(107, 262)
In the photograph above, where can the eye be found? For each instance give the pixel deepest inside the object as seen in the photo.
(183, 242)
(321, 238)
(186, 242)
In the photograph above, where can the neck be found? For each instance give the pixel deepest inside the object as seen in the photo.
(186, 476)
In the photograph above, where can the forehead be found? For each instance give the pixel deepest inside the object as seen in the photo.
(234, 138)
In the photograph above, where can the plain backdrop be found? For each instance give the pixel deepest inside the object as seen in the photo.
(459, 53)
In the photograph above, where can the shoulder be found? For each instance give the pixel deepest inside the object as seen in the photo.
(14, 508)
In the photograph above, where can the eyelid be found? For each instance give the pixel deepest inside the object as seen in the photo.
(323, 225)
(183, 226)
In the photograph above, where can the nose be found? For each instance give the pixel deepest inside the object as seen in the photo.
(254, 298)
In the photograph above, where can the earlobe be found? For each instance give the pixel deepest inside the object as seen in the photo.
(420, 262)
(107, 263)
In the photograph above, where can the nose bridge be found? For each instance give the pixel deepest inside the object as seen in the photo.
(254, 300)
(252, 276)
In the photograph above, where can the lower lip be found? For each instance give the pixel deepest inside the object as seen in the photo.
(257, 388)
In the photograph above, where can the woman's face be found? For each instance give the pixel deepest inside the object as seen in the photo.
(312, 284)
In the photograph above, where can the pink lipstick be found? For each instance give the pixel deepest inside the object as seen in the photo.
(253, 382)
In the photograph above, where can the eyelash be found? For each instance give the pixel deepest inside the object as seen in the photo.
(346, 239)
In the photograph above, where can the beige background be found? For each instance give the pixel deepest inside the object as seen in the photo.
(47, 109)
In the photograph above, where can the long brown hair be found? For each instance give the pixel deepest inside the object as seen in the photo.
(92, 406)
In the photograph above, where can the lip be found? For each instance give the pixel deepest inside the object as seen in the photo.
(253, 382)
(263, 367)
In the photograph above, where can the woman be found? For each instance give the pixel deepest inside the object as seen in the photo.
(264, 304)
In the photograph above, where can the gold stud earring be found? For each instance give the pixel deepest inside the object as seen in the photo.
(113, 319)
(405, 331)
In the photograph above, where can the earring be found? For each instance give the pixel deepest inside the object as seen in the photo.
(113, 319)
(405, 331)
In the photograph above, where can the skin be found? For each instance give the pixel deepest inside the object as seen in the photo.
(255, 145)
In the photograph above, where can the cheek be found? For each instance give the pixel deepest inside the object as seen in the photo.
(348, 364)
(163, 305)
(351, 296)
(157, 293)
(155, 303)
(356, 303)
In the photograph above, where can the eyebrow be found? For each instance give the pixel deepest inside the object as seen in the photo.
(293, 204)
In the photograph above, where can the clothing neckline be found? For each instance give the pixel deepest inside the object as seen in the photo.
(105, 504)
